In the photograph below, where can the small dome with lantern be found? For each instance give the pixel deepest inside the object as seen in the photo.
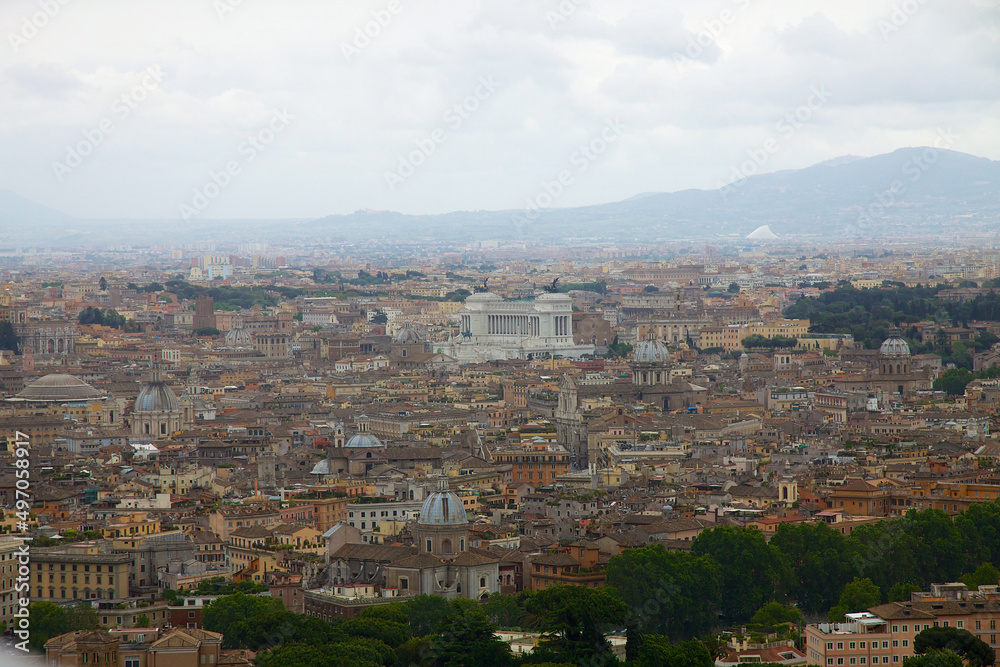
(443, 508)
(895, 345)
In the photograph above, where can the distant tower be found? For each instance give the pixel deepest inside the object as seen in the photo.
(788, 490)
(204, 313)
(267, 470)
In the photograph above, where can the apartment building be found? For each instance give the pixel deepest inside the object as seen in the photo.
(366, 517)
(9, 548)
(79, 572)
(223, 521)
(537, 463)
(884, 634)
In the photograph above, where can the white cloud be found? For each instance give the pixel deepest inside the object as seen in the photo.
(690, 114)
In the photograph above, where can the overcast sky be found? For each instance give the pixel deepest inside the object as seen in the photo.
(484, 102)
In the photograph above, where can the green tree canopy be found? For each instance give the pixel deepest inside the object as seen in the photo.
(968, 646)
(985, 575)
(673, 593)
(466, 637)
(247, 621)
(773, 614)
(426, 613)
(943, 658)
(47, 620)
(574, 619)
(752, 571)
(657, 650)
(810, 548)
(858, 595)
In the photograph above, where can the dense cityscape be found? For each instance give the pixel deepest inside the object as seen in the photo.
(726, 453)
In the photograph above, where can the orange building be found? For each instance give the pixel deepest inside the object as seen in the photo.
(538, 463)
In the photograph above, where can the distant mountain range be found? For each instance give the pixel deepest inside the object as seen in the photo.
(909, 191)
(912, 190)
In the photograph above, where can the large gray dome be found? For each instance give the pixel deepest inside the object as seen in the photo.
(361, 440)
(442, 508)
(59, 388)
(156, 397)
(652, 351)
(894, 346)
(239, 337)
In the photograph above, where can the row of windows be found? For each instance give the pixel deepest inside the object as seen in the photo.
(863, 660)
(62, 567)
(86, 578)
(87, 595)
(851, 646)
(383, 513)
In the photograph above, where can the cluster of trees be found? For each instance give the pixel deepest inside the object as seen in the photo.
(430, 630)
(48, 620)
(8, 339)
(757, 341)
(867, 315)
(227, 297)
(618, 349)
(109, 318)
(600, 287)
(734, 572)
(954, 380)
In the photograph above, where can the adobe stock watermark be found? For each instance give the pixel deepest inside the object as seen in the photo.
(364, 35)
(34, 24)
(711, 30)
(913, 170)
(562, 13)
(21, 625)
(248, 150)
(121, 109)
(786, 127)
(580, 160)
(224, 8)
(900, 16)
(453, 118)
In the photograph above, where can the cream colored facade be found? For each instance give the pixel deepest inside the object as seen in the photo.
(78, 572)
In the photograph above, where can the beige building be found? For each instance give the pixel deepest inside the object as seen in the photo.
(148, 647)
(78, 572)
(9, 548)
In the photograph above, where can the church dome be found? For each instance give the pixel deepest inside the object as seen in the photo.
(443, 508)
(239, 337)
(407, 335)
(894, 346)
(651, 351)
(59, 388)
(363, 440)
(156, 397)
